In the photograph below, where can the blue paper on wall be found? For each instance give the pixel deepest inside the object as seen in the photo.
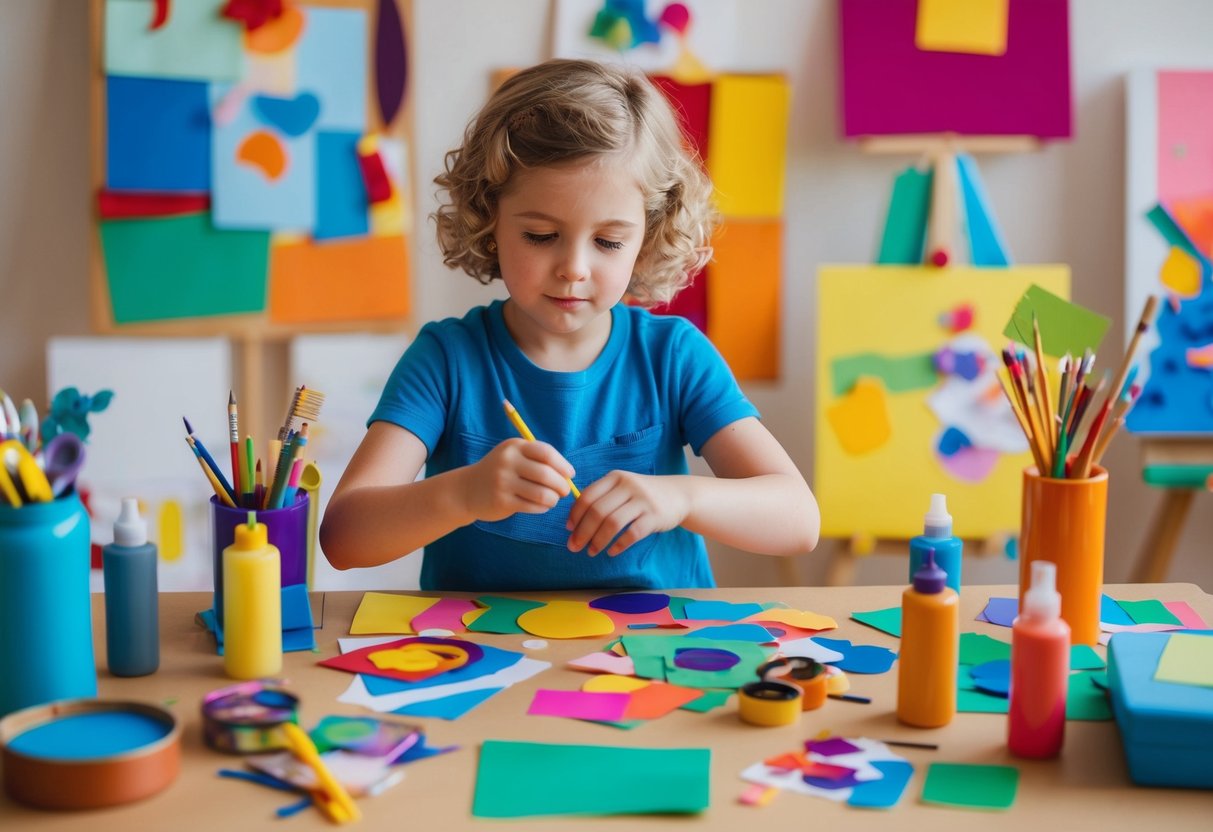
(157, 135)
(986, 244)
(341, 201)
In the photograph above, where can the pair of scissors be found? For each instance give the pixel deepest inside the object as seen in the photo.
(329, 795)
(61, 460)
(21, 480)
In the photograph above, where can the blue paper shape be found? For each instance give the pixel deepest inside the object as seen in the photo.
(292, 116)
(422, 750)
(953, 441)
(331, 63)
(341, 200)
(845, 782)
(986, 244)
(1111, 612)
(992, 677)
(448, 707)
(157, 135)
(1000, 611)
(719, 611)
(885, 792)
(632, 603)
(858, 658)
(737, 632)
(298, 629)
(494, 659)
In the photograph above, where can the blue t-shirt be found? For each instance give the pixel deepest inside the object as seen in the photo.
(657, 386)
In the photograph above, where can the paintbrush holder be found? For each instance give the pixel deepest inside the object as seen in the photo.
(287, 529)
(46, 622)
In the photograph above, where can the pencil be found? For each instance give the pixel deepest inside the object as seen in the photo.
(233, 439)
(1046, 398)
(220, 491)
(526, 434)
(208, 460)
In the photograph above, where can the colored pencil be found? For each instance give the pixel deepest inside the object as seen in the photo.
(526, 434)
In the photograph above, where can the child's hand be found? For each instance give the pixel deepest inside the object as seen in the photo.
(634, 504)
(518, 476)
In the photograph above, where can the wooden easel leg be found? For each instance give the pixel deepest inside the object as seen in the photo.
(841, 571)
(1163, 536)
(252, 394)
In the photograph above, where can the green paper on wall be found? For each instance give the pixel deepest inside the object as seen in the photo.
(182, 267)
(887, 620)
(905, 224)
(971, 787)
(1064, 326)
(900, 373)
(526, 779)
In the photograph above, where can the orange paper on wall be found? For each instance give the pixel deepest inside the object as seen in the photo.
(743, 297)
(357, 279)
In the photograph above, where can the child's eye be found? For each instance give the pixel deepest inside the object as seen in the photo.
(537, 239)
(611, 245)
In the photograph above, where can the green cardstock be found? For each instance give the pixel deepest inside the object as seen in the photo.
(971, 787)
(900, 373)
(501, 615)
(1064, 326)
(1149, 612)
(905, 224)
(710, 700)
(1084, 657)
(887, 620)
(1086, 701)
(978, 648)
(976, 702)
(646, 651)
(526, 779)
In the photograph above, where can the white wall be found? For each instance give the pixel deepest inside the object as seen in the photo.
(1064, 204)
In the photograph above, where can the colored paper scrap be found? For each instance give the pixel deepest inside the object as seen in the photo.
(1084, 657)
(358, 692)
(501, 615)
(114, 205)
(1149, 612)
(1000, 611)
(566, 619)
(992, 677)
(860, 418)
(905, 224)
(612, 683)
(213, 272)
(654, 658)
(863, 764)
(809, 648)
(448, 707)
(577, 704)
(973, 27)
(802, 619)
(859, 658)
(195, 42)
(656, 699)
(700, 658)
(744, 296)
(1181, 273)
(1175, 235)
(515, 779)
(710, 700)
(1187, 616)
(1186, 660)
(886, 620)
(900, 374)
(976, 702)
(971, 786)
(986, 244)
(391, 61)
(409, 660)
(493, 660)
(978, 648)
(830, 746)
(1064, 326)
(341, 198)
(381, 612)
(332, 64)
(604, 662)
(719, 611)
(157, 135)
(1110, 612)
(339, 280)
(444, 614)
(747, 157)
(1085, 700)
(737, 632)
(632, 603)
(886, 792)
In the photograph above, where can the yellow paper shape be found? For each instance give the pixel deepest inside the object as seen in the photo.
(747, 144)
(380, 612)
(861, 418)
(744, 280)
(837, 682)
(893, 310)
(610, 683)
(566, 619)
(471, 615)
(1181, 273)
(804, 619)
(1186, 660)
(974, 27)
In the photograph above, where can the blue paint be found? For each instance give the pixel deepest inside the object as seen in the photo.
(89, 736)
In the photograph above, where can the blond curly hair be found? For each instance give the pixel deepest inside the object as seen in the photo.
(567, 110)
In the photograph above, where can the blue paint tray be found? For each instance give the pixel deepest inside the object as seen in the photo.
(1166, 728)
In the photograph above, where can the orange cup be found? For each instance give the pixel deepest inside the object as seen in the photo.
(1063, 521)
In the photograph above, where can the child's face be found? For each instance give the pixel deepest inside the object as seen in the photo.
(567, 241)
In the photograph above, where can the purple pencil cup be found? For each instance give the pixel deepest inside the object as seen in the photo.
(285, 527)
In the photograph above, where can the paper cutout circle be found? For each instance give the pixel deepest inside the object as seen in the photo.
(705, 658)
(263, 151)
(632, 603)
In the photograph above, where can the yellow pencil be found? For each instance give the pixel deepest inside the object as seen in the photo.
(526, 434)
(220, 491)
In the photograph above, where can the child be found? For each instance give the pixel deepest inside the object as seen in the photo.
(573, 187)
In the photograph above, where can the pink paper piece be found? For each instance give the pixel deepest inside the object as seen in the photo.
(605, 663)
(1187, 616)
(446, 614)
(1185, 125)
(579, 704)
(969, 464)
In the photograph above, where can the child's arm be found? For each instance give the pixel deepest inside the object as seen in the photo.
(379, 513)
(758, 501)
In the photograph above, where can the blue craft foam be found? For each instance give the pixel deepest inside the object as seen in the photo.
(1166, 728)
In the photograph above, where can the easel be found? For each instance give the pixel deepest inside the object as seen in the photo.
(1182, 467)
(844, 556)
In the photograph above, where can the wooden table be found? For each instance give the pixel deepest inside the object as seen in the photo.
(1087, 788)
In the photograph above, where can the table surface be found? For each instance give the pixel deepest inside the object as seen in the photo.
(1086, 788)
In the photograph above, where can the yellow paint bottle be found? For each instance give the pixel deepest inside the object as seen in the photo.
(252, 604)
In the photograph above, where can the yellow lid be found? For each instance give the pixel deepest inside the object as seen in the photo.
(251, 535)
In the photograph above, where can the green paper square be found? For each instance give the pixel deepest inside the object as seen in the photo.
(1084, 657)
(978, 648)
(970, 786)
(1064, 326)
(710, 700)
(1086, 701)
(976, 702)
(1149, 612)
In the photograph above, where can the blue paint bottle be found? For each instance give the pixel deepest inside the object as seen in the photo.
(937, 535)
(132, 599)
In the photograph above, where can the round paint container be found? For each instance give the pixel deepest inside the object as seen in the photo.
(89, 753)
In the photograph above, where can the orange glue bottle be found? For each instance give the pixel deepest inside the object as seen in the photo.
(252, 604)
(930, 649)
(1040, 669)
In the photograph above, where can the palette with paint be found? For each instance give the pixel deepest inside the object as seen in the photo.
(109, 752)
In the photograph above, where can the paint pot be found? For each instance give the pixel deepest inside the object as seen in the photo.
(89, 753)
(769, 703)
(807, 674)
(247, 718)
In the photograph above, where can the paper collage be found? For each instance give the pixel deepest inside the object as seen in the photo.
(738, 125)
(304, 211)
(908, 404)
(1169, 247)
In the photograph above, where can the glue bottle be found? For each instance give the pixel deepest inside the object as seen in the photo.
(937, 535)
(132, 599)
(930, 649)
(252, 604)
(1040, 669)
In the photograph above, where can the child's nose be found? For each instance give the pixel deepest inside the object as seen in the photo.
(576, 265)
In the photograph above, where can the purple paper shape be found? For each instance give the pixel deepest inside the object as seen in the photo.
(632, 603)
(830, 747)
(862, 658)
(391, 61)
(993, 677)
(825, 783)
(704, 658)
(891, 87)
(1000, 611)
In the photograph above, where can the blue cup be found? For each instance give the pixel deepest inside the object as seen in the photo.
(46, 621)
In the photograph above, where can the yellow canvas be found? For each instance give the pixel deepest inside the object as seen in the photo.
(898, 313)
(747, 149)
(976, 27)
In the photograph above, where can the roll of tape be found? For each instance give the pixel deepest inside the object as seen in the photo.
(769, 703)
(807, 674)
(247, 718)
